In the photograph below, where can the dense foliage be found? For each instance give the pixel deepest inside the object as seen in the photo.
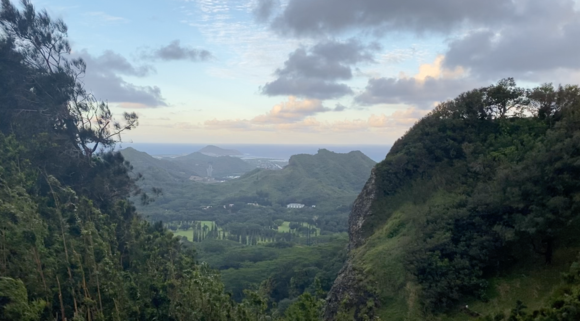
(328, 181)
(72, 246)
(496, 173)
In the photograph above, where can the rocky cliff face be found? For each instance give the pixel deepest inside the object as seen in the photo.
(346, 290)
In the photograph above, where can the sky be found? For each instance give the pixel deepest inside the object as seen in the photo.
(308, 71)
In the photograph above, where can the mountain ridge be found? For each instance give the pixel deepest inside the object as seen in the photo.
(460, 219)
(212, 150)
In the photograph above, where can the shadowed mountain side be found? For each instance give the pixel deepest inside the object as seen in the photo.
(473, 213)
(328, 180)
(157, 170)
(211, 150)
(220, 166)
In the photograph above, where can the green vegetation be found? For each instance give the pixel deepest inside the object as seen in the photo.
(475, 214)
(288, 269)
(222, 166)
(328, 181)
(479, 198)
(72, 246)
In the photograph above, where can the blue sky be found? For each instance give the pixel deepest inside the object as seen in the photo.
(308, 71)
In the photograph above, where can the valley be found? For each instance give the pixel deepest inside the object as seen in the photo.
(251, 226)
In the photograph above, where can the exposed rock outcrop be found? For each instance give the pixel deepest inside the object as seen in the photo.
(346, 288)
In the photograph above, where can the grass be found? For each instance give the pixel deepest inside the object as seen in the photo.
(186, 233)
(381, 261)
(189, 232)
(285, 227)
(533, 287)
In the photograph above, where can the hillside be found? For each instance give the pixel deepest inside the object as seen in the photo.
(343, 171)
(183, 167)
(473, 214)
(327, 180)
(221, 166)
(310, 179)
(72, 245)
(211, 150)
(156, 170)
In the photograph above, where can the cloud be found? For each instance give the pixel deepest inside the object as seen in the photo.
(313, 88)
(228, 124)
(314, 72)
(488, 40)
(293, 110)
(103, 79)
(283, 115)
(174, 51)
(411, 91)
(436, 70)
(542, 37)
(264, 9)
(432, 84)
(328, 17)
(397, 120)
(339, 107)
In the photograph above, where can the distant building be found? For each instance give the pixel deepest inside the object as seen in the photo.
(254, 204)
(295, 205)
(196, 179)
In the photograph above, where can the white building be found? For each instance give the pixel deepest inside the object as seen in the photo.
(295, 205)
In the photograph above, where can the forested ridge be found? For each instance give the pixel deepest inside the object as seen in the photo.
(72, 246)
(477, 206)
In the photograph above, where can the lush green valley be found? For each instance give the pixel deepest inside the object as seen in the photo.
(326, 183)
(244, 228)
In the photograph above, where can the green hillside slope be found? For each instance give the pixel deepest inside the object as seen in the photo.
(156, 170)
(477, 205)
(327, 180)
(221, 166)
(72, 246)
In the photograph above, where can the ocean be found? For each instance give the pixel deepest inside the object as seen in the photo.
(374, 152)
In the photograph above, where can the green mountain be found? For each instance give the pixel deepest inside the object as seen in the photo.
(473, 215)
(211, 150)
(330, 181)
(183, 168)
(210, 166)
(310, 179)
(157, 170)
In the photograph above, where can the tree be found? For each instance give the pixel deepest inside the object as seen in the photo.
(43, 45)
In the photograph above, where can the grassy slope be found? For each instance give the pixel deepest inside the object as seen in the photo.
(156, 169)
(381, 260)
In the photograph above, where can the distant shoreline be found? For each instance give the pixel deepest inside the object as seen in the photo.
(374, 152)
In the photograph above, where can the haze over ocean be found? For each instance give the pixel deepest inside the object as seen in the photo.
(375, 152)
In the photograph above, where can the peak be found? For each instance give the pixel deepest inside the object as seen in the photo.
(130, 150)
(212, 150)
